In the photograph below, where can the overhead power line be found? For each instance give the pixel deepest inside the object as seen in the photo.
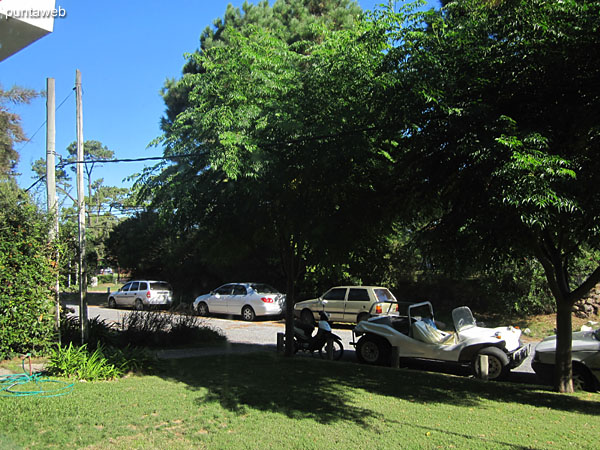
(42, 125)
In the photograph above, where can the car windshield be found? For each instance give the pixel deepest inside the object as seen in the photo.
(383, 295)
(160, 286)
(463, 318)
(264, 288)
(597, 334)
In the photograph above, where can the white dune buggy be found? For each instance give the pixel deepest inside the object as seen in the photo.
(411, 328)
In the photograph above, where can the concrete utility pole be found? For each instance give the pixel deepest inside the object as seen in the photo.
(51, 199)
(83, 313)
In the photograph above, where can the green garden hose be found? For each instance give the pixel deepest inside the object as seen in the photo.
(28, 384)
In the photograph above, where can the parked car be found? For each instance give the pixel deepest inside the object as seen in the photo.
(412, 329)
(344, 303)
(585, 355)
(248, 300)
(142, 294)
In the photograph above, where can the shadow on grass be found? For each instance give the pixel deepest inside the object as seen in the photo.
(326, 391)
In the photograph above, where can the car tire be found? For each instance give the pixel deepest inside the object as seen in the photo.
(373, 350)
(361, 317)
(582, 379)
(202, 309)
(338, 350)
(248, 314)
(497, 363)
(112, 303)
(307, 317)
(139, 305)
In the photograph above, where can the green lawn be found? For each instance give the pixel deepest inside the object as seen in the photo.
(268, 401)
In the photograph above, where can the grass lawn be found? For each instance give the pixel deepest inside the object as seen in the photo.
(265, 400)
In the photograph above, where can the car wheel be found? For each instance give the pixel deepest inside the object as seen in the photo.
(361, 317)
(497, 363)
(307, 317)
(373, 350)
(112, 303)
(582, 379)
(202, 309)
(338, 350)
(139, 305)
(248, 314)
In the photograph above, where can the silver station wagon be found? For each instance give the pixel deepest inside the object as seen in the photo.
(142, 294)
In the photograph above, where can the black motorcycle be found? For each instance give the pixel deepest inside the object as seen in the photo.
(304, 340)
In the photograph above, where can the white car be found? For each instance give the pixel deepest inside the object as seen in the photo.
(585, 356)
(412, 330)
(349, 304)
(242, 299)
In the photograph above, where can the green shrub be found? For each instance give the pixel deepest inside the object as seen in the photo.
(187, 329)
(27, 273)
(77, 362)
(99, 332)
(105, 336)
(151, 329)
(131, 359)
(108, 278)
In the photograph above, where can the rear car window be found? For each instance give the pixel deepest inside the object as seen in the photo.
(160, 286)
(358, 295)
(263, 288)
(383, 295)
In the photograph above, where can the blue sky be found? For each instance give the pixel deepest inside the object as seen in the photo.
(125, 50)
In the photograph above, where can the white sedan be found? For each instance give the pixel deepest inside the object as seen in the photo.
(248, 300)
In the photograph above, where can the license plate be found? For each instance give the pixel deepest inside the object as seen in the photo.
(522, 353)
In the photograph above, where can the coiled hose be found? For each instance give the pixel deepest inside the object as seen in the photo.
(29, 384)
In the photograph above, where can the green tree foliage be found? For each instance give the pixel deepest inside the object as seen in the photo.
(27, 272)
(289, 20)
(103, 203)
(504, 135)
(10, 126)
(278, 135)
(94, 152)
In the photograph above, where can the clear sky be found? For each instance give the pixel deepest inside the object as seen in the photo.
(125, 50)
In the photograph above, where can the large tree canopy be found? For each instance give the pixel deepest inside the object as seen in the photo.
(288, 20)
(479, 120)
(277, 136)
(503, 148)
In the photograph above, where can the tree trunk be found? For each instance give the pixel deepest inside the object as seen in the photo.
(563, 369)
(555, 269)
